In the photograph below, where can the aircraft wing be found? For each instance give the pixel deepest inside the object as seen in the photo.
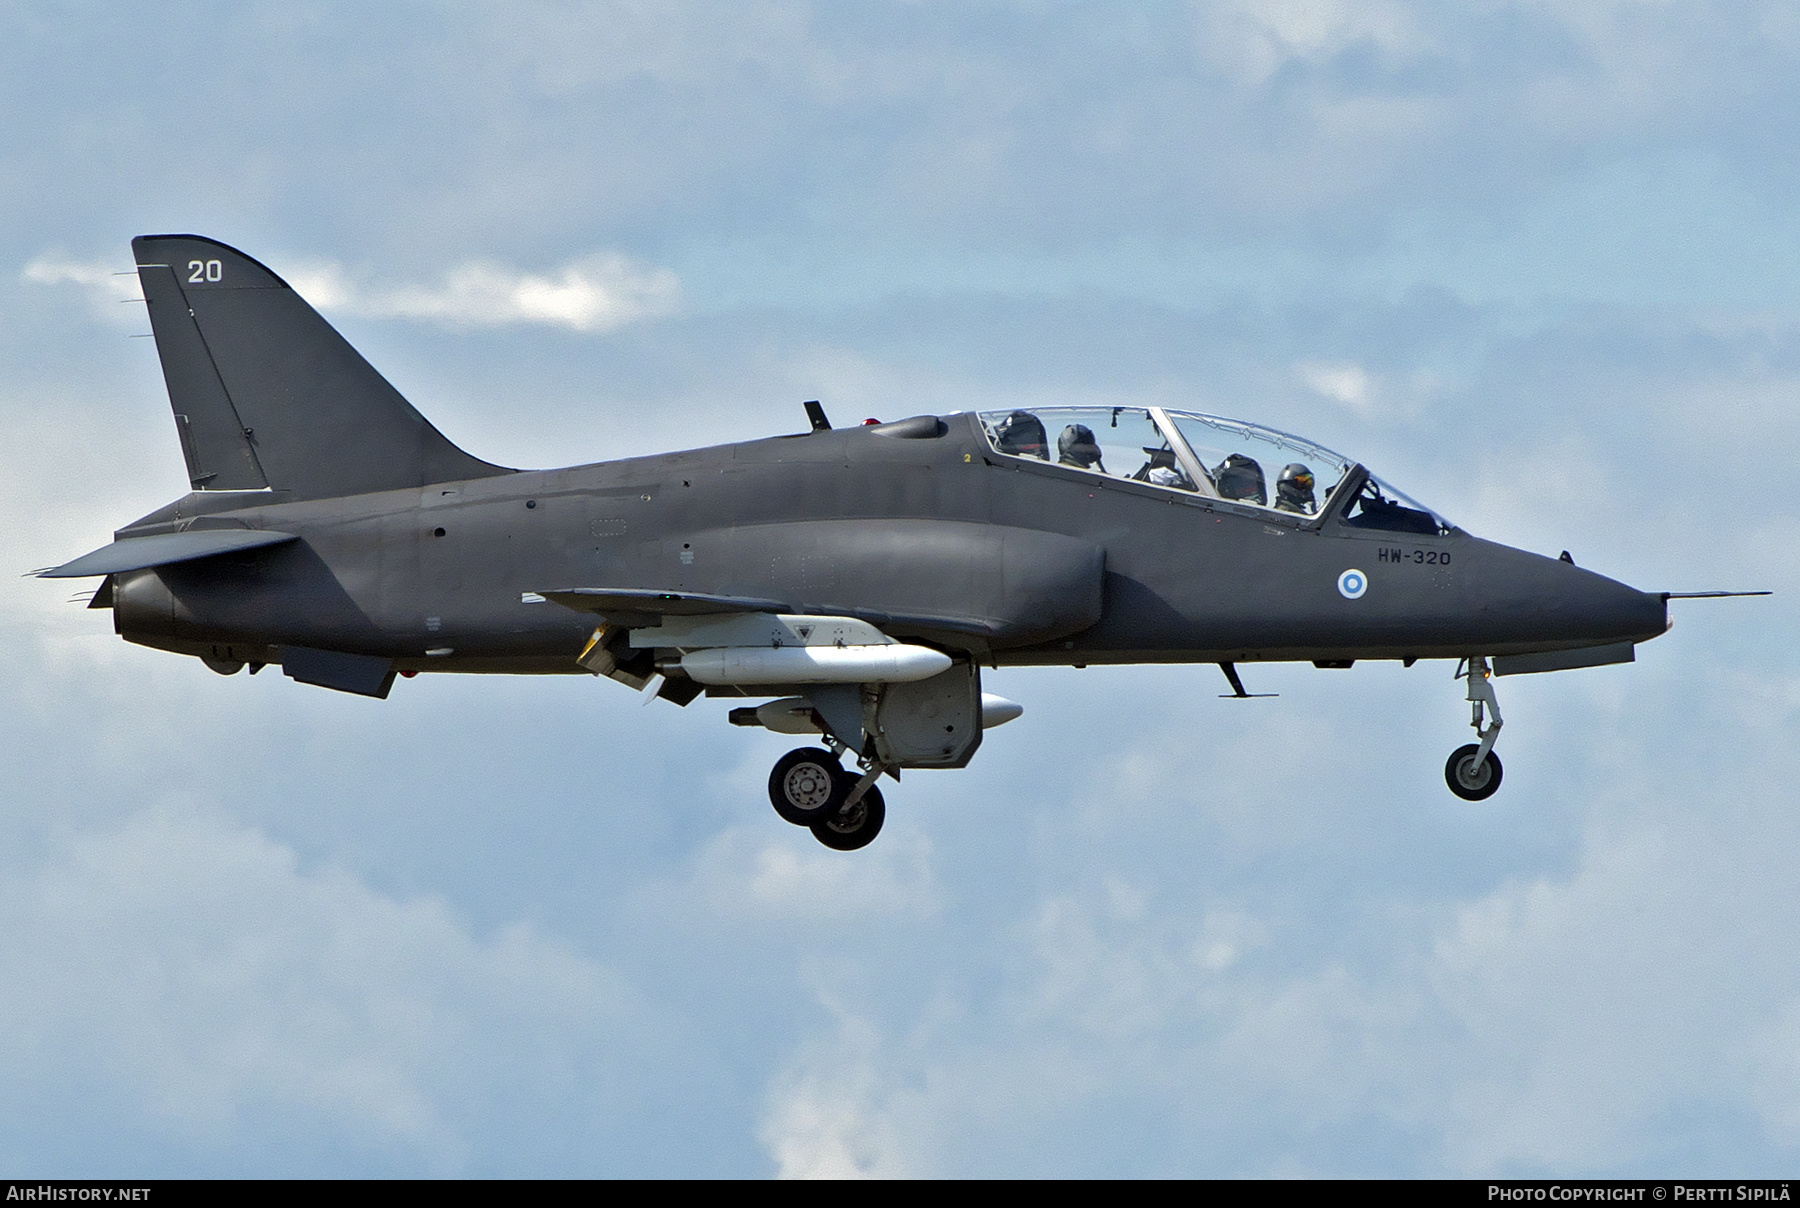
(619, 603)
(657, 603)
(999, 585)
(140, 553)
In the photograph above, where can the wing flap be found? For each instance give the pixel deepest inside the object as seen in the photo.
(140, 553)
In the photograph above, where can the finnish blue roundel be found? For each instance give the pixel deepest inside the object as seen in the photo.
(1352, 584)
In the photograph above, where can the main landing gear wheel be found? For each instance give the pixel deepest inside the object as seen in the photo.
(1469, 780)
(856, 825)
(808, 786)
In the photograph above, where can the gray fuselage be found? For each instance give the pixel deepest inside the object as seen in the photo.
(919, 526)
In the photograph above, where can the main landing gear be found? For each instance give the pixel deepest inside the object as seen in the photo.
(843, 809)
(1473, 771)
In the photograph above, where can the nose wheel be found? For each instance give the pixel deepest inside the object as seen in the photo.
(1471, 775)
(1473, 771)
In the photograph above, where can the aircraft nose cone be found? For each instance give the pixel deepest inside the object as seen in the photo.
(1622, 609)
(1546, 599)
(1642, 614)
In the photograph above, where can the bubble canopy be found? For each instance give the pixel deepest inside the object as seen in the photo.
(1235, 462)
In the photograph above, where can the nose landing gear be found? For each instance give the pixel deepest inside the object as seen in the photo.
(843, 809)
(1473, 771)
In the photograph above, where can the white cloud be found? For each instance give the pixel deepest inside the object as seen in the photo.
(1253, 38)
(830, 1115)
(110, 292)
(1571, 1017)
(1369, 395)
(1556, 1024)
(191, 969)
(596, 293)
(1774, 1056)
(1603, 1001)
(1345, 383)
(793, 882)
(756, 874)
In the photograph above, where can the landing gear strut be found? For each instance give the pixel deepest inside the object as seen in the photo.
(810, 788)
(1473, 771)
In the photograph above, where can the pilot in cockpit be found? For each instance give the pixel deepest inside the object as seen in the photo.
(1022, 435)
(1240, 477)
(1077, 447)
(1294, 490)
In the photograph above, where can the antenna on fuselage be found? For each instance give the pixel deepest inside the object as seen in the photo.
(1237, 685)
(816, 414)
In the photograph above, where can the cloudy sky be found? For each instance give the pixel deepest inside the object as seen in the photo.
(1536, 263)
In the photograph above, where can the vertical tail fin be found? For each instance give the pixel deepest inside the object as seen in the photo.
(267, 394)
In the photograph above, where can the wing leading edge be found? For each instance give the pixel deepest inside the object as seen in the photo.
(633, 607)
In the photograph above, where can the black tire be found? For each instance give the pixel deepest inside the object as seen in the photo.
(856, 826)
(807, 786)
(1466, 780)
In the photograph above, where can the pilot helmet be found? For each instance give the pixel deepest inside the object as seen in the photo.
(1077, 447)
(1239, 477)
(1294, 489)
(1022, 435)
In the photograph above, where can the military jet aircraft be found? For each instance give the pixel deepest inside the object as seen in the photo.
(855, 581)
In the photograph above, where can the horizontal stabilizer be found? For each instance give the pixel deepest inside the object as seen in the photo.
(139, 553)
(1565, 660)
